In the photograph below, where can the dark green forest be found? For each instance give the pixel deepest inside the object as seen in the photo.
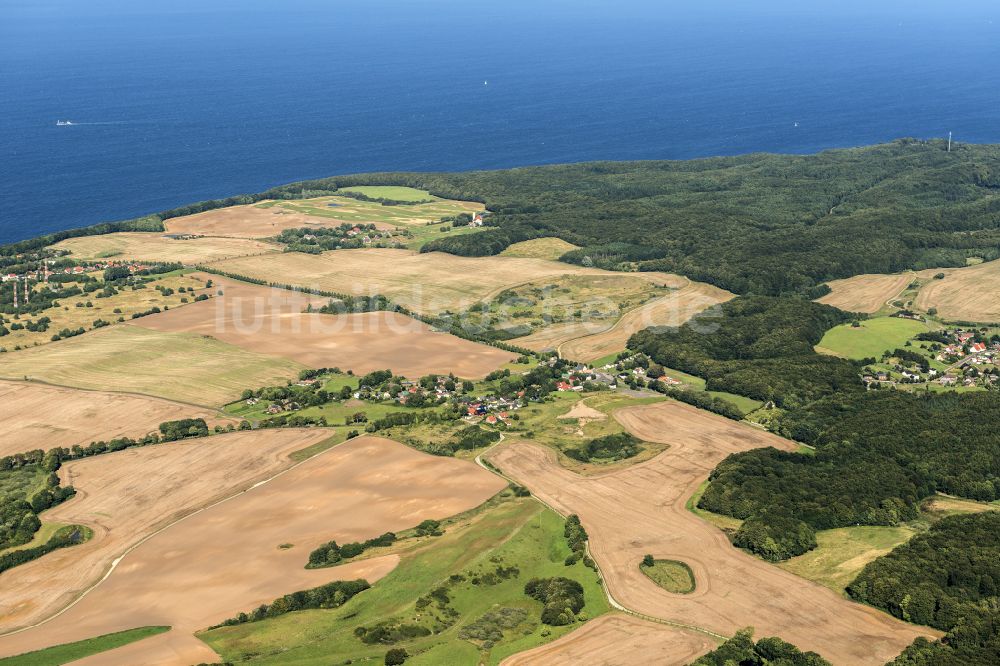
(760, 223)
(947, 578)
(741, 650)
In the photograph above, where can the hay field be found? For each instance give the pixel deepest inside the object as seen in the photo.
(671, 310)
(429, 283)
(37, 416)
(641, 509)
(126, 496)
(539, 248)
(866, 293)
(965, 294)
(68, 314)
(270, 218)
(176, 366)
(871, 338)
(145, 246)
(226, 559)
(618, 639)
(271, 321)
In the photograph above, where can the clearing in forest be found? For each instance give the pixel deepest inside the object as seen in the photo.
(156, 246)
(177, 366)
(39, 416)
(539, 248)
(965, 294)
(271, 321)
(866, 293)
(226, 559)
(870, 338)
(641, 509)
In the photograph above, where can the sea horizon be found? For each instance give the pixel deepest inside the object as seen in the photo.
(314, 90)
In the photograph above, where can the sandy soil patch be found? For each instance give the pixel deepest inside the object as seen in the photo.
(245, 222)
(671, 310)
(582, 412)
(225, 559)
(615, 639)
(128, 495)
(37, 416)
(128, 358)
(429, 283)
(965, 294)
(271, 321)
(641, 510)
(146, 246)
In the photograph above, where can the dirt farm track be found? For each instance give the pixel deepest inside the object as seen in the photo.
(226, 559)
(641, 509)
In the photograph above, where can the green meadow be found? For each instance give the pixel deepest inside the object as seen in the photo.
(64, 654)
(871, 339)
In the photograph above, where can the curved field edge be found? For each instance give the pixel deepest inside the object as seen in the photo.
(67, 652)
(506, 531)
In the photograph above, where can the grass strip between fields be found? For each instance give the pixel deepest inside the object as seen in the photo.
(67, 652)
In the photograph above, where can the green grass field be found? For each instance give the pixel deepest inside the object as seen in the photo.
(64, 654)
(348, 209)
(392, 192)
(871, 339)
(671, 575)
(510, 532)
(842, 553)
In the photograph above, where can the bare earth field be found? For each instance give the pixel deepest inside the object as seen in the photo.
(671, 310)
(244, 222)
(426, 283)
(126, 496)
(225, 559)
(641, 509)
(270, 321)
(965, 294)
(176, 366)
(615, 639)
(147, 246)
(38, 416)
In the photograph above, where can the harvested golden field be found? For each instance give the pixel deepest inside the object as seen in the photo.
(671, 310)
(641, 509)
(73, 313)
(539, 248)
(225, 559)
(615, 639)
(38, 416)
(146, 246)
(965, 294)
(428, 283)
(271, 321)
(866, 293)
(176, 366)
(126, 496)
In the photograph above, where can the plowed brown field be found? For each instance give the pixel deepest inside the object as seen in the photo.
(225, 559)
(616, 640)
(641, 510)
(38, 416)
(271, 321)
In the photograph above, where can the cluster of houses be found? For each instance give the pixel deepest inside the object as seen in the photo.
(45, 273)
(971, 362)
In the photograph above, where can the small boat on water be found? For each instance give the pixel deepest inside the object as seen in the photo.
(62, 123)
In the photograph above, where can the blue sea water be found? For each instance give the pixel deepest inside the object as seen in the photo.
(187, 100)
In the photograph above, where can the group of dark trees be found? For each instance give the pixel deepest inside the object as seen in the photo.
(331, 595)
(741, 650)
(562, 599)
(313, 240)
(617, 446)
(330, 553)
(182, 428)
